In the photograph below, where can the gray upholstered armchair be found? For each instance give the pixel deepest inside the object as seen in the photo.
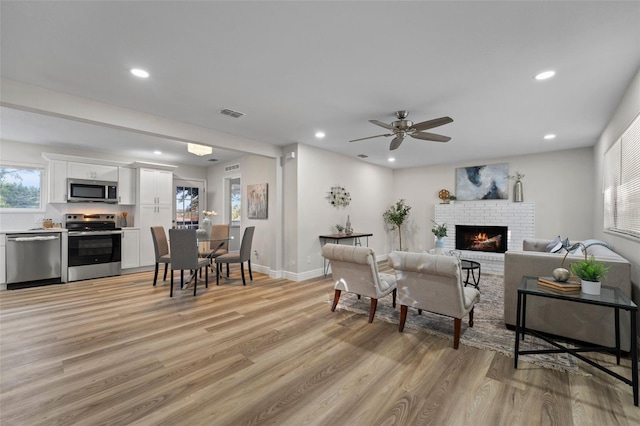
(433, 283)
(355, 270)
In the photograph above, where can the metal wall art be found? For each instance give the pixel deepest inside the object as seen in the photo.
(338, 197)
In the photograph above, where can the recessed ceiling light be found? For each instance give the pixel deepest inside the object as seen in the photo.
(138, 72)
(157, 152)
(391, 159)
(319, 135)
(550, 136)
(545, 75)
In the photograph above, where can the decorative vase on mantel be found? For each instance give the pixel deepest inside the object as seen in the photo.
(518, 195)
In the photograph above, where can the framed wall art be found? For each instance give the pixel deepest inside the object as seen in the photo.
(258, 201)
(489, 182)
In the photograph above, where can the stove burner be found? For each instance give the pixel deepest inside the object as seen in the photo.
(91, 222)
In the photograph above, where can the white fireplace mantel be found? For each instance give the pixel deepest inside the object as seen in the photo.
(518, 217)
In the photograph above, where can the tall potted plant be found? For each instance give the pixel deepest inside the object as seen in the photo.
(396, 215)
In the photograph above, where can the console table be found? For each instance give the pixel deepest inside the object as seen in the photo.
(610, 297)
(336, 238)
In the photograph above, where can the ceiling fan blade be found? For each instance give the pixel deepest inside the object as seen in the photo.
(430, 124)
(430, 137)
(395, 143)
(371, 137)
(381, 124)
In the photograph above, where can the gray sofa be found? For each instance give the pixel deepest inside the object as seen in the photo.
(588, 323)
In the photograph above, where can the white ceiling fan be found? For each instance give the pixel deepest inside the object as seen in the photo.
(403, 127)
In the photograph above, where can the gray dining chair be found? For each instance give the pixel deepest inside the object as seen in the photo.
(184, 249)
(244, 255)
(161, 247)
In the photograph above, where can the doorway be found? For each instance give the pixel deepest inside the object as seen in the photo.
(233, 191)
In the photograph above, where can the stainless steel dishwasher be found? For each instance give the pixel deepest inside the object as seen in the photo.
(33, 259)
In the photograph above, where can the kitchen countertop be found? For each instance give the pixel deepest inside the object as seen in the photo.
(32, 231)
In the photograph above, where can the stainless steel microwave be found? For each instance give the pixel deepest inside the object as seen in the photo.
(82, 191)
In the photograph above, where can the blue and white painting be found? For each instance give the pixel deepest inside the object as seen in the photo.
(489, 182)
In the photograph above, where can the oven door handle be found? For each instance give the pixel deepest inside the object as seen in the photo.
(89, 233)
(26, 239)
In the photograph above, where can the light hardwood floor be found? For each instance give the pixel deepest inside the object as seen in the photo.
(119, 351)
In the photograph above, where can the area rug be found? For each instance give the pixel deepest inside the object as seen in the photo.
(488, 331)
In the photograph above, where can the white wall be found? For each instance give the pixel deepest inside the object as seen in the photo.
(317, 171)
(253, 169)
(628, 247)
(559, 183)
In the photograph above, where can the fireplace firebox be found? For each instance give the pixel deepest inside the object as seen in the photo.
(481, 238)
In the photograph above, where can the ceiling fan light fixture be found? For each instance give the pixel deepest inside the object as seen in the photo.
(320, 135)
(139, 72)
(549, 136)
(199, 150)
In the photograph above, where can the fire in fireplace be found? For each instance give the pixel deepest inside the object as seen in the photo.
(481, 238)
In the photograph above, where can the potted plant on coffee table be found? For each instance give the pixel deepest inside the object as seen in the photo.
(591, 272)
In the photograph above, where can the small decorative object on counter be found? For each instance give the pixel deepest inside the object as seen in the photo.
(47, 223)
(123, 220)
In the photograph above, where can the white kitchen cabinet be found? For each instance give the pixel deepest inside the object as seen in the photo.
(126, 186)
(155, 186)
(130, 248)
(92, 171)
(154, 208)
(57, 175)
(151, 215)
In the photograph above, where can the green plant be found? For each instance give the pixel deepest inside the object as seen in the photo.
(452, 197)
(439, 230)
(590, 269)
(396, 215)
(339, 227)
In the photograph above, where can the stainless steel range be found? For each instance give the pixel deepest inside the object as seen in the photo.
(94, 246)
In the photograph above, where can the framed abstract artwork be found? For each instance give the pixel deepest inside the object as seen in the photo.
(257, 201)
(490, 182)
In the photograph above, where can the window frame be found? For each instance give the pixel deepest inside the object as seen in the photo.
(43, 186)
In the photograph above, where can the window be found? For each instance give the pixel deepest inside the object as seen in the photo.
(235, 204)
(21, 188)
(187, 207)
(621, 184)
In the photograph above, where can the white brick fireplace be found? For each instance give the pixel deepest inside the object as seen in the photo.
(518, 217)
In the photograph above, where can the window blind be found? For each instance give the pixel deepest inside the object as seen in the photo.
(621, 185)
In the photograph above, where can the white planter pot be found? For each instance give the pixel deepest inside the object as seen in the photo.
(591, 287)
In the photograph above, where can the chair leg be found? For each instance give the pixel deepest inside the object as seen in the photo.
(372, 310)
(181, 278)
(419, 311)
(155, 275)
(195, 280)
(395, 292)
(171, 291)
(457, 323)
(403, 317)
(166, 266)
(227, 270)
(336, 297)
(206, 277)
(471, 317)
(250, 274)
(218, 268)
(242, 271)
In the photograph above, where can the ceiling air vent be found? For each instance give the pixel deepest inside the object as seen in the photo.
(212, 159)
(232, 167)
(231, 113)
(363, 155)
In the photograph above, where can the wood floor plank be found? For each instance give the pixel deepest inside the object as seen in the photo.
(119, 351)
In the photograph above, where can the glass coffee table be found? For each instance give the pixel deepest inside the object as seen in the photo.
(471, 267)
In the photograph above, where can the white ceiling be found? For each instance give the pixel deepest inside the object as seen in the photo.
(297, 67)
